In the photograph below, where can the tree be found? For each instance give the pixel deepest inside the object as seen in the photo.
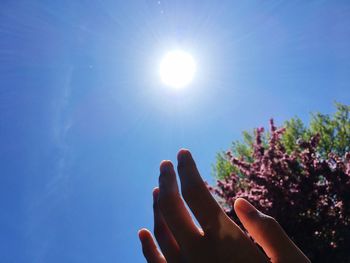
(299, 175)
(334, 131)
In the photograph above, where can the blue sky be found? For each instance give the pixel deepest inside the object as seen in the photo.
(85, 121)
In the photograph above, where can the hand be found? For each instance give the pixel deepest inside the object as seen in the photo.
(219, 239)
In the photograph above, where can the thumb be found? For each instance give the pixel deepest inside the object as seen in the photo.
(268, 233)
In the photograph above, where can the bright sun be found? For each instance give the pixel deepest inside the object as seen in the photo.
(177, 69)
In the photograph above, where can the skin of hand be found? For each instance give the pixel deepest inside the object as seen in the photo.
(219, 239)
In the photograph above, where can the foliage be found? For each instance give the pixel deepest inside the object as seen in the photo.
(298, 175)
(334, 131)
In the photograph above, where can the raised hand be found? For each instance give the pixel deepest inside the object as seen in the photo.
(218, 239)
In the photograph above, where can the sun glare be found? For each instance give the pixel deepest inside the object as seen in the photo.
(177, 69)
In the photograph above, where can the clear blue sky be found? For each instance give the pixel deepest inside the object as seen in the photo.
(85, 121)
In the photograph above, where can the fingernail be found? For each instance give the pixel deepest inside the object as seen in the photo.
(165, 166)
(246, 207)
(141, 234)
(167, 179)
(183, 156)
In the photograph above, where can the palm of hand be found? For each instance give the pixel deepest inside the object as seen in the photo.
(219, 239)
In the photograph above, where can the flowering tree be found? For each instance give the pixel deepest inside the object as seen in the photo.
(301, 177)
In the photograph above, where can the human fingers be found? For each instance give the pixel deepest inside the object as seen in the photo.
(174, 211)
(196, 194)
(164, 237)
(267, 232)
(149, 248)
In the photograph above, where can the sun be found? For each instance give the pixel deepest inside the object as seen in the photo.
(177, 69)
